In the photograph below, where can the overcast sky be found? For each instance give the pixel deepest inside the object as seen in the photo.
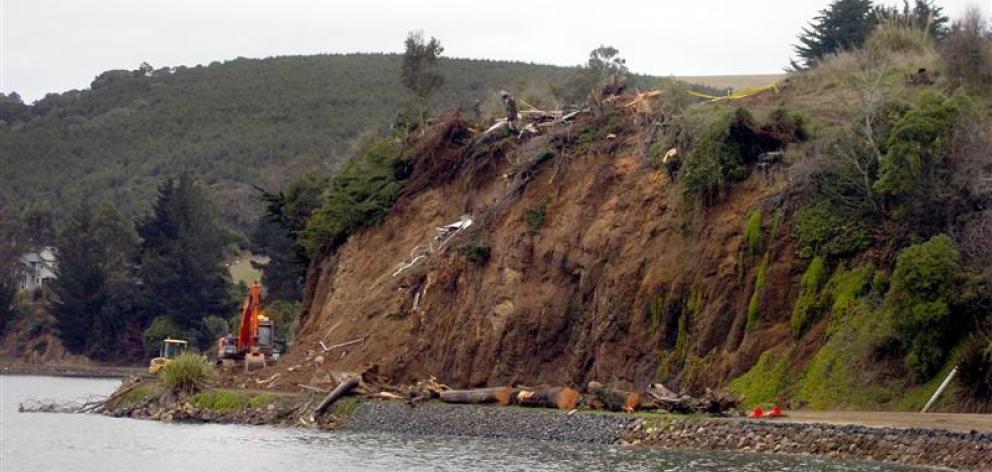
(57, 45)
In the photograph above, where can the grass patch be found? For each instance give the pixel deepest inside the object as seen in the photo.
(225, 401)
(242, 270)
(766, 382)
(846, 288)
(838, 376)
(138, 395)
(261, 400)
(808, 305)
(221, 400)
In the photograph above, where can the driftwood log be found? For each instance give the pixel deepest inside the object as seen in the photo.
(713, 401)
(614, 400)
(341, 390)
(555, 397)
(500, 395)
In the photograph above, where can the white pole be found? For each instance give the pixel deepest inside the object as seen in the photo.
(940, 389)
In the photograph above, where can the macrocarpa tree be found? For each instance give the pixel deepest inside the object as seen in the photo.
(605, 68)
(844, 24)
(420, 74)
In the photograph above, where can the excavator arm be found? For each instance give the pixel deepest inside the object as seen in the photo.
(248, 332)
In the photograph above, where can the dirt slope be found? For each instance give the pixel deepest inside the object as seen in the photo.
(599, 291)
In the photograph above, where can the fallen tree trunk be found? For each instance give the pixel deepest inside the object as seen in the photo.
(555, 397)
(499, 395)
(614, 400)
(341, 390)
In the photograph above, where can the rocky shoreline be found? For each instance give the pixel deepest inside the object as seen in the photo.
(968, 451)
(917, 447)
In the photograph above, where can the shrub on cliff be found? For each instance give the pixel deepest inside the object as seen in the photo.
(823, 229)
(716, 156)
(915, 147)
(189, 373)
(924, 283)
(360, 194)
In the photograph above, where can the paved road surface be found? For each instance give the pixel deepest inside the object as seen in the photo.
(950, 421)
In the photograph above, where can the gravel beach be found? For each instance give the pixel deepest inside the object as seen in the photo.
(487, 422)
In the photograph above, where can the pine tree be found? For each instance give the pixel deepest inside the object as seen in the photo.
(95, 253)
(844, 24)
(182, 255)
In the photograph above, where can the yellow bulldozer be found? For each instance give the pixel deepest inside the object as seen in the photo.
(170, 350)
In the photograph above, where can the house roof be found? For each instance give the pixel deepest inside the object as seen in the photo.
(45, 256)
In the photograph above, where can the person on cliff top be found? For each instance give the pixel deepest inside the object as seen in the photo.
(511, 108)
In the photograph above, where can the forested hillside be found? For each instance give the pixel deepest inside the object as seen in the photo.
(234, 125)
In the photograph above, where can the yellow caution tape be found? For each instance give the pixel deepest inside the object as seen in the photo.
(739, 94)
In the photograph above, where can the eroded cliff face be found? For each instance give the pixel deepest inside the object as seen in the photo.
(595, 272)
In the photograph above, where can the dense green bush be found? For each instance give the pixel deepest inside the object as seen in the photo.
(914, 146)
(924, 284)
(824, 229)
(188, 373)
(360, 194)
(717, 155)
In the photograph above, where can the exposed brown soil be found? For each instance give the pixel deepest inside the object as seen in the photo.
(563, 304)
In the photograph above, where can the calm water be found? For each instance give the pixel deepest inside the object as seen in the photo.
(53, 442)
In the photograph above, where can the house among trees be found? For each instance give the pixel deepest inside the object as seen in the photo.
(39, 267)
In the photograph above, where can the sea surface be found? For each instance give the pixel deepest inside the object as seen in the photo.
(53, 442)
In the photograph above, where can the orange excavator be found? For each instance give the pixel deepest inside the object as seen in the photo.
(255, 341)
